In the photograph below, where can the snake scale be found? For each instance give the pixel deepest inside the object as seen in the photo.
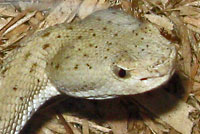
(107, 54)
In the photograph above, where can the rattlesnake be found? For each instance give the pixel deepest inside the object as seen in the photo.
(105, 55)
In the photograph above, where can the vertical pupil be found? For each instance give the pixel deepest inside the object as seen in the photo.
(122, 73)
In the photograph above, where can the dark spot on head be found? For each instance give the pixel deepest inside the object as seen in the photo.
(104, 28)
(91, 29)
(90, 45)
(45, 46)
(143, 49)
(105, 57)
(79, 49)
(145, 27)
(85, 55)
(57, 66)
(142, 38)
(67, 57)
(114, 13)
(89, 66)
(33, 67)
(107, 49)
(99, 19)
(14, 88)
(27, 55)
(135, 45)
(46, 34)
(115, 34)
(96, 46)
(38, 80)
(76, 67)
(136, 34)
(21, 98)
(58, 36)
(94, 34)
(109, 43)
(109, 21)
(147, 45)
(79, 37)
(70, 28)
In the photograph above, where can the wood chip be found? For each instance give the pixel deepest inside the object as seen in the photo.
(85, 126)
(64, 11)
(74, 119)
(92, 6)
(17, 31)
(8, 10)
(160, 20)
(37, 4)
(160, 103)
(155, 128)
(192, 21)
(39, 16)
(4, 22)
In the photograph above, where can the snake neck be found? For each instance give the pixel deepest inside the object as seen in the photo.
(24, 84)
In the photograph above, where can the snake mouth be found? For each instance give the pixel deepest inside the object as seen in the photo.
(147, 78)
(159, 74)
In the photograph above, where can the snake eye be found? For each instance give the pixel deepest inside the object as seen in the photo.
(120, 72)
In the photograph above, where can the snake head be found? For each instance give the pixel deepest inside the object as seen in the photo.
(112, 59)
(138, 75)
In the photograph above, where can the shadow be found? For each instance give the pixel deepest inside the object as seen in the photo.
(164, 98)
(161, 100)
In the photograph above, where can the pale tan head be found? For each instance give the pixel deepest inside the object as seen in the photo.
(112, 54)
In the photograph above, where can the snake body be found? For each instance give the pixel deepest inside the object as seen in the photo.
(105, 55)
